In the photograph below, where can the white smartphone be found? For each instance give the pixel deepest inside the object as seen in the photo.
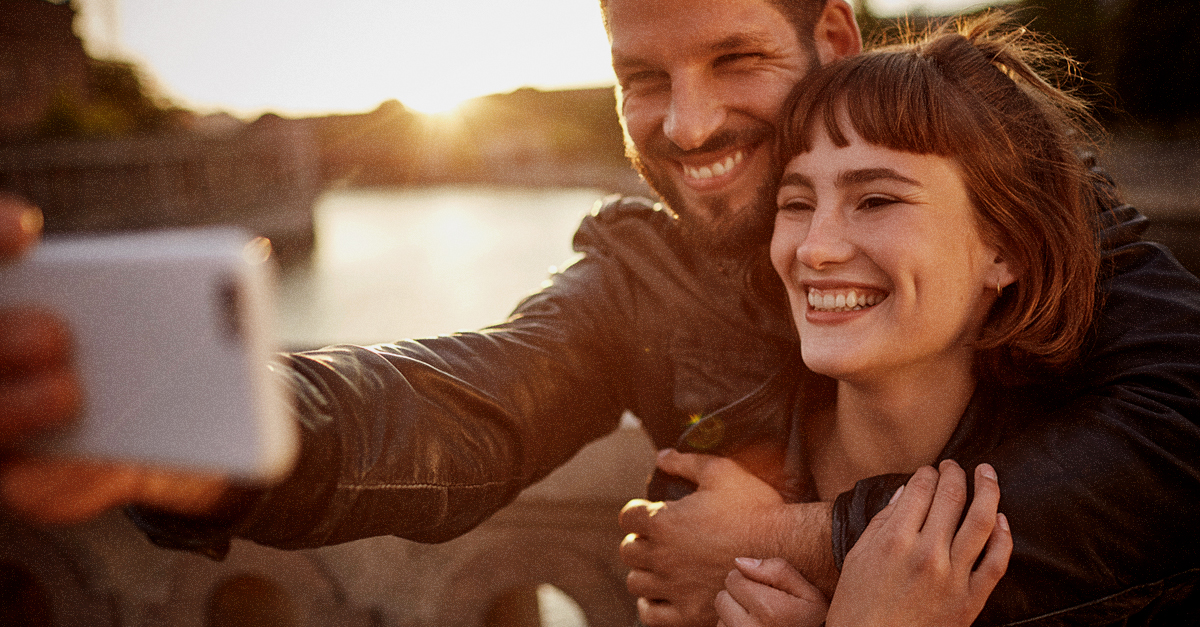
(172, 336)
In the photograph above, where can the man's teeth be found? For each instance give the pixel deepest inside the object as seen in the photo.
(716, 169)
(842, 300)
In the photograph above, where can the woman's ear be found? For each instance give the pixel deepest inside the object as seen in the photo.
(836, 34)
(1002, 275)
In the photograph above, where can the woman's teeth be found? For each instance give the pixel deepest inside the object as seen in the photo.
(716, 169)
(842, 300)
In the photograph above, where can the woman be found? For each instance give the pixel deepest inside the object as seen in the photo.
(933, 232)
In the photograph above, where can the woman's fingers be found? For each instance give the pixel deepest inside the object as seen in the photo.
(912, 505)
(769, 593)
(776, 573)
(730, 613)
(948, 503)
(995, 560)
(978, 525)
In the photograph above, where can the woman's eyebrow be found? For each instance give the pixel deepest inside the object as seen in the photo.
(795, 178)
(867, 175)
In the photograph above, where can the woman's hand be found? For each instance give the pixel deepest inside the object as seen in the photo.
(764, 593)
(912, 568)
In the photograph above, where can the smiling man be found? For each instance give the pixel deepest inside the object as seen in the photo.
(700, 86)
(425, 439)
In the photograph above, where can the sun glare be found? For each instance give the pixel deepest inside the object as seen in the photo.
(435, 103)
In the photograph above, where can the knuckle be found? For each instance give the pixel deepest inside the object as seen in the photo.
(925, 479)
(633, 552)
(629, 542)
(954, 492)
(635, 516)
(895, 544)
(734, 579)
(639, 583)
(935, 563)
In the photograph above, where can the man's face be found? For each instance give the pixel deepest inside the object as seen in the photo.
(701, 86)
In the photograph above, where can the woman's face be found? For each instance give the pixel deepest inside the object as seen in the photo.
(883, 262)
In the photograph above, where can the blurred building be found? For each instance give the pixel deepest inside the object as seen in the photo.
(41, 59)
(87, 142)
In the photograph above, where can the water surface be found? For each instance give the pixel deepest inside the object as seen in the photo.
(398, 263)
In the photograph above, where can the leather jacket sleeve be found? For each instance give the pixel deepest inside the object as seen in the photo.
(385, 448)
(1102, 492)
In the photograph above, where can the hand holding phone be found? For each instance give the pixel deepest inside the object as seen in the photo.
(172, 336)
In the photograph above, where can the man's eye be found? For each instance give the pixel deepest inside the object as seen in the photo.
(639, 79)
(795, 206)
(737, 57)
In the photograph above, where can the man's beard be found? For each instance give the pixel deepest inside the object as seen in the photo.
(718, 229)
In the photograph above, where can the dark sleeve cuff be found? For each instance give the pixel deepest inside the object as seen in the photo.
(207, 535)
(853, 510)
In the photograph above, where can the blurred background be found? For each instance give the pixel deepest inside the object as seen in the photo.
(419, 167)
(357, 135)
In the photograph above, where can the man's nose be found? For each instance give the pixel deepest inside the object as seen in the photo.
(826, 240)
(695, 113)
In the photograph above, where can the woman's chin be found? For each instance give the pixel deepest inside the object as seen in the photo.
(833, 364)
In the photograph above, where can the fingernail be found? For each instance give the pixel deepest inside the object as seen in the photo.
(749, 562)
(664, 452)
(1002, 520)
(987, 471)
(896, 494)
(31, 221)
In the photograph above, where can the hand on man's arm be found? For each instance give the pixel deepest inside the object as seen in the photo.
(681, 551)
(40, 392)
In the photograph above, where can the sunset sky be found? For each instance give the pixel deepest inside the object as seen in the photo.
(318, 56)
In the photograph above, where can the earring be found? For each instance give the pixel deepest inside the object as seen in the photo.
(999, 290)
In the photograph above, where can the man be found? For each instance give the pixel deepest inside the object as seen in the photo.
(426, 439)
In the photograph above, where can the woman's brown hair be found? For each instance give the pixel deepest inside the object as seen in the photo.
(969, 92)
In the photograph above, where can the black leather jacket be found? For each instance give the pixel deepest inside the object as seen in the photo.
(424, 439)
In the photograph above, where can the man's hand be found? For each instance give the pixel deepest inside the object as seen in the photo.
(62, 491)
(40, 392)
(38, 388)
(680, 551)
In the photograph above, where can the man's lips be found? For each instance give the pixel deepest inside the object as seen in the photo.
(721, 159)
(714, 169)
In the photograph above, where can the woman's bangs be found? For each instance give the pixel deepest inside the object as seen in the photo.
(898, 101)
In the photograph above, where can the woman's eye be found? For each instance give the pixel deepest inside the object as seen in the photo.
(875, 202)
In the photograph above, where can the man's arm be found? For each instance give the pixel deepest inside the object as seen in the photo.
(425, 439)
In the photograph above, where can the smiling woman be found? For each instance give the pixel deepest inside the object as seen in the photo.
(310, 56)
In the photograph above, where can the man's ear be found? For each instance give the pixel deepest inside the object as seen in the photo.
(836, 34)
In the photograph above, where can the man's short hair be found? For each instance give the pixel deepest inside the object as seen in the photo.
(803, 15)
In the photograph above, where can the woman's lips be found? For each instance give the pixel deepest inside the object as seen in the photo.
(844, 299)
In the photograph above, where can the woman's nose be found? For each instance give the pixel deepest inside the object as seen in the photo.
(826, 241)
